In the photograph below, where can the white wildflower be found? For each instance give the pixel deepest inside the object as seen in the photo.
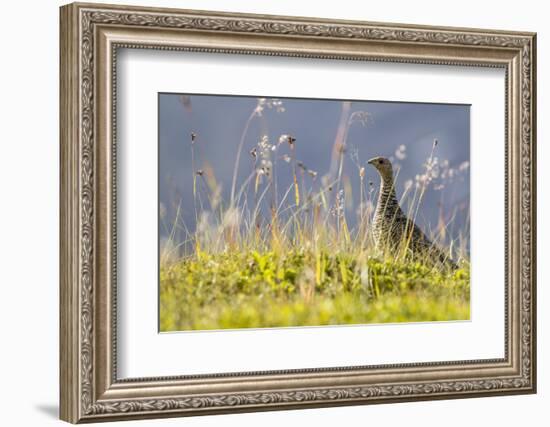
(283, 138)
(464, 166)
(401, 153)
(271, 103)
(361, 117)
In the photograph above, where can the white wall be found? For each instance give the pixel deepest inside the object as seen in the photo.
(29, 170)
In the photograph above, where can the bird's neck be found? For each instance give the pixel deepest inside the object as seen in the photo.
(387, 192)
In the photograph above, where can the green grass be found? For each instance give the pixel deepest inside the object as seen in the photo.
(305, 288)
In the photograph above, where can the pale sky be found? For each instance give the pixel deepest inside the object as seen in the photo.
(218, 122)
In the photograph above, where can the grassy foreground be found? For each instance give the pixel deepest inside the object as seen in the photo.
(305, 288)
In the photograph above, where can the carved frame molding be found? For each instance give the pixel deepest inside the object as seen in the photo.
(90, 37)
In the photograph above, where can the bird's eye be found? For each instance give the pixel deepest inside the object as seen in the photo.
(380, 161)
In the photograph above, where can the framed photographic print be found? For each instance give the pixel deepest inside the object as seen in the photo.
(266, 212)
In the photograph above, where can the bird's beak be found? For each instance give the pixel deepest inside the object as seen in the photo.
(371, 161)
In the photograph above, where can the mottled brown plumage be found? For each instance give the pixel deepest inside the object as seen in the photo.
(392, 229)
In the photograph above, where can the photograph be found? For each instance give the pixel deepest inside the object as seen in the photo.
(266, 211)
(290, 212)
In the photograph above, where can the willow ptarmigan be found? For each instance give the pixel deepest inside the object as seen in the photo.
(392, 228)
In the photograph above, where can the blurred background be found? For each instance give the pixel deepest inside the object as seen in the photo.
(213, 127)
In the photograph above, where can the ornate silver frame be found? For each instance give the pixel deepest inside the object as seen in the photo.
(90, 36)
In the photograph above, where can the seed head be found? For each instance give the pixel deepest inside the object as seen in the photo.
(464, 166)
(341, 148)
(401, 152)
(361, 117)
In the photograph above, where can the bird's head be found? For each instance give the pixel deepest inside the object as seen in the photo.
(383, 166)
